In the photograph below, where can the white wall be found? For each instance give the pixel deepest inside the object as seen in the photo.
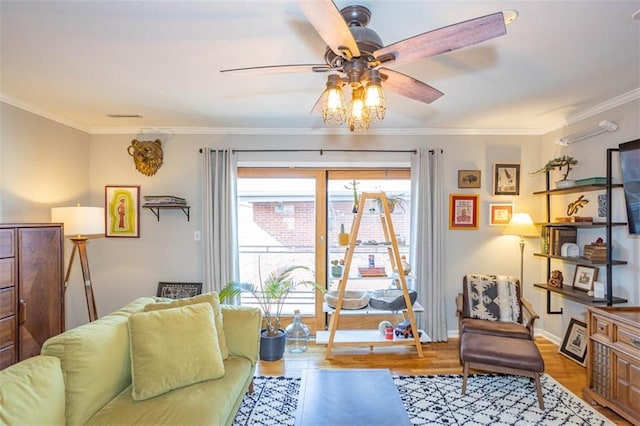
(73, 166)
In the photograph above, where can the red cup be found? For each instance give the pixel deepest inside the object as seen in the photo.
(388, 333)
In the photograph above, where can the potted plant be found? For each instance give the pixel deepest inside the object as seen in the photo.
(353, 186)
(336, 268)
(559, 163)
(271, 294)
(396, 200)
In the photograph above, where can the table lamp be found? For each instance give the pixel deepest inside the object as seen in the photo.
(80, 223)
(522, 226)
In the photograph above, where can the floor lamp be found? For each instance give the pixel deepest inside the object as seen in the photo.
(80, 223)
(522, 226)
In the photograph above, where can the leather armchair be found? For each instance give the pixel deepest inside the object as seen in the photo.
(493, 305)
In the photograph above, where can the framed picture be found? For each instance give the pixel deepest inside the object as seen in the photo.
(506, 178)
(178, 290)
(122, 211)
(574, 343)
(500, 214)
(584, 277)
(463, 211)
(468, 178)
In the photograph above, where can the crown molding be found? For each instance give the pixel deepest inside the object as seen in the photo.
(313, 131)
(627, 97)
(10, 100)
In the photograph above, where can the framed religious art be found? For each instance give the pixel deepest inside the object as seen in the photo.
(122, 211)
(463, 211)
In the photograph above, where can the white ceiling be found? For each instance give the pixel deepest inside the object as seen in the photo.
(78, 61)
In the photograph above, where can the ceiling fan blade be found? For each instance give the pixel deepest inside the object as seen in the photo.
(408, 86)
(275, 69)
(329, 23)
(444, 39)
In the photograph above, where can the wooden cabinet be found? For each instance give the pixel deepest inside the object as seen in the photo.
(31, 289)
(613, 366)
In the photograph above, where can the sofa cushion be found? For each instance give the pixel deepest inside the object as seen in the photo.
(212, 402)
(32, 392)
(493, 297)
(173, 348)
(99, 346)
(213, 299)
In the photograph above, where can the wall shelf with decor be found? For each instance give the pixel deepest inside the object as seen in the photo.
(608, 262)
(578, 295)
(334, 337)
(155, 209)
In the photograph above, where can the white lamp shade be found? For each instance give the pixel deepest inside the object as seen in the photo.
(521, 225)
(80, 221)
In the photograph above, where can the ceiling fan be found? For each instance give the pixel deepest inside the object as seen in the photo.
(357, 60)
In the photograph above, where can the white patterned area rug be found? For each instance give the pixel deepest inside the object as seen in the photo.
(491, 399)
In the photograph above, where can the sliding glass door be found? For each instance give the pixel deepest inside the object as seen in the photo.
(293, 216)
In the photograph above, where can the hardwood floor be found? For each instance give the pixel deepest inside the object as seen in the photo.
(439, 358)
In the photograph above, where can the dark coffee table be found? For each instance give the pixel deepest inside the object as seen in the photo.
(349, 397)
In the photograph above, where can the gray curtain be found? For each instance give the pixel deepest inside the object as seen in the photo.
(427, 239)
(219, 226)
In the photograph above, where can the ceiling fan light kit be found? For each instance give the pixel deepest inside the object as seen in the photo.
(355, 55)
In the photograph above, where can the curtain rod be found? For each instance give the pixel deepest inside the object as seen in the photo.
(322, 151)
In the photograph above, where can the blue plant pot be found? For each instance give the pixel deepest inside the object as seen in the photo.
(272, 347)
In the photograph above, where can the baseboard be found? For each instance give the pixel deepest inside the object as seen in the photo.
(453, 334)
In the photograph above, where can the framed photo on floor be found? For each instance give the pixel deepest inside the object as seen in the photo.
(500, 214)
(122, 211)
(574, 343)
(463, 211)
(506, 179)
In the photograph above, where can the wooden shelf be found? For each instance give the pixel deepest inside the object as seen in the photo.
(579, 188)
(581, 260)
(578, 295)
(371, 338)
(581, 224)
(369, 310)
(155, 209)
(366, 337)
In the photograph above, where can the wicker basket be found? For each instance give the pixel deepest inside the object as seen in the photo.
(351, 300)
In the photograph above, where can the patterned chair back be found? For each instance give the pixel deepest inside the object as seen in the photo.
(491, 297)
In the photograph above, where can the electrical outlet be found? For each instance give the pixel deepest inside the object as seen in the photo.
(196, 235)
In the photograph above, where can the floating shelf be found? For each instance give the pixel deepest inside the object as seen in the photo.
(155, 209)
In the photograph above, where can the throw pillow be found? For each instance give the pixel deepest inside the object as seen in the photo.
(173, 348)
(213, 299)
(493, 298)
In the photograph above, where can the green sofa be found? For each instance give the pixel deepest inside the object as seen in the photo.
(95, 363)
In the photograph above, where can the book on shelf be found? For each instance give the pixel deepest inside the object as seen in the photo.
(596, 252)
(163, 200)
(560, 235)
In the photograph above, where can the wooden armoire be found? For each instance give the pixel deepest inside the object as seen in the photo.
(31, 288)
